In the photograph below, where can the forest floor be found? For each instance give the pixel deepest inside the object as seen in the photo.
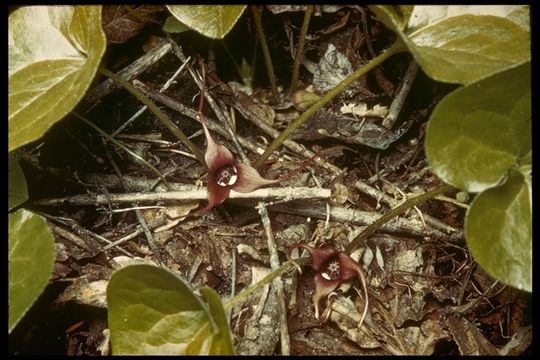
(427, 295)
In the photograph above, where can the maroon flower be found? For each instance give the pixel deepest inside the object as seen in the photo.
(225, 173)
(333, 268)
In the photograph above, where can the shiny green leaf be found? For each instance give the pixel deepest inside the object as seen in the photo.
(223, 343)
(213, 21)
(462, 44)
(172, 25)
(31, 259)
(17, 190)
(53, 55)
(478, 132)
(153, 311)
(499, 231)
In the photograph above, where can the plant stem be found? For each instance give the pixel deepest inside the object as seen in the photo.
(395, 212)
(300, 48)
(397, 47)
(266, 52)
(161, 116)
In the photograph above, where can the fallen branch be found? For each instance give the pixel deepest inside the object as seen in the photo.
(270, 194)
(362, 218)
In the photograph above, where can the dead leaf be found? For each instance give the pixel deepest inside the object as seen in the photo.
(333, 68)
(326, 124)
(303, 99)
(249, 108)
(361, 109)
(468, 338)
(340, 194)
(122, 22)
(86, 293)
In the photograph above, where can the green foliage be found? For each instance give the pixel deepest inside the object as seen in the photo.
(17, 191)
(153, 311)
(479, 131)
(53, 55)
(461, 44)
(499, 231)
(213, 21)
(31, 260)
(479, 139)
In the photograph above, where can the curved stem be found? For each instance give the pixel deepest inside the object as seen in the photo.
(152, 107)
(397, 47)
(395, 212)
(266, 52)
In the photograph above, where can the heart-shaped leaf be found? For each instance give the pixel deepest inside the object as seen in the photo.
(153, 311)
(31, 260)
(213, 21)
(478, 132)
(17, 190)
(462, 44)
(499, 231)
(53, 55)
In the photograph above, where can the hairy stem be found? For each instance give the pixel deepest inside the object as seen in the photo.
(397, 47)
(161, 116)
(395, 212)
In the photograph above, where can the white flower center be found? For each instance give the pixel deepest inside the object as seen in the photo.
(332, 270)
(227, 176)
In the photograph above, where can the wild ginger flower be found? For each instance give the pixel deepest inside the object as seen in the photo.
(333, 268)
(226, 174)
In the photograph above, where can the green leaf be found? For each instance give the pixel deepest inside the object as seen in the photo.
(153, 311)
(172, 25)
(53, 55)
(31, 260)
(499, 231)
(462, 44)
(223, 343)
(17, 190)
(213, 21)
(478, 132)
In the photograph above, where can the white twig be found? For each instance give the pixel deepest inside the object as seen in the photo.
(357, 217)
(269, 194)
(278, 284)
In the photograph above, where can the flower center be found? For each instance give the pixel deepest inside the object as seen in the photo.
(332, 270)
(227, 175)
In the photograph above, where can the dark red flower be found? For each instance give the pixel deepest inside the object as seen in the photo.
(333, 268)
(225, 173)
